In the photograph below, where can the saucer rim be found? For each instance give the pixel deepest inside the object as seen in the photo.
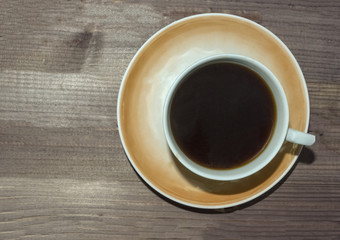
(119, 101)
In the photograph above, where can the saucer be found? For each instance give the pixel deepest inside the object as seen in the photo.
(147, 81)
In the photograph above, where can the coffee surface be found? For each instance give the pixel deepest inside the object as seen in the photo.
(222, 115)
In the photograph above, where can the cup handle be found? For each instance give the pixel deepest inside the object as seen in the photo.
(298, 137)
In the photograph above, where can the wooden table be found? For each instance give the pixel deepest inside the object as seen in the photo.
(63, 171)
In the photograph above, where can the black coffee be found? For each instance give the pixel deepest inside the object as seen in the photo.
(222, 115)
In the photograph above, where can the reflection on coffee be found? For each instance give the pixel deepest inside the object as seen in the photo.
(222, 115)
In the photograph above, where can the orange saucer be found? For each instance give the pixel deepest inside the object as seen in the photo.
(145, 85)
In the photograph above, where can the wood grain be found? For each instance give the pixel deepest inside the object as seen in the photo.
(63, 172)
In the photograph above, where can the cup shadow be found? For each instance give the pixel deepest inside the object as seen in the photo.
(236, 186)
(246, 184)
(307, 156)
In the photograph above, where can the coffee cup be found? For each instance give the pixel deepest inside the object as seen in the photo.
(226, 117)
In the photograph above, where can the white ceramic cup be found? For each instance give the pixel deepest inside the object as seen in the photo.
(281, 131)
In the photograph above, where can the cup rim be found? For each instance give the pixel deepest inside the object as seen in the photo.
(225, 174)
